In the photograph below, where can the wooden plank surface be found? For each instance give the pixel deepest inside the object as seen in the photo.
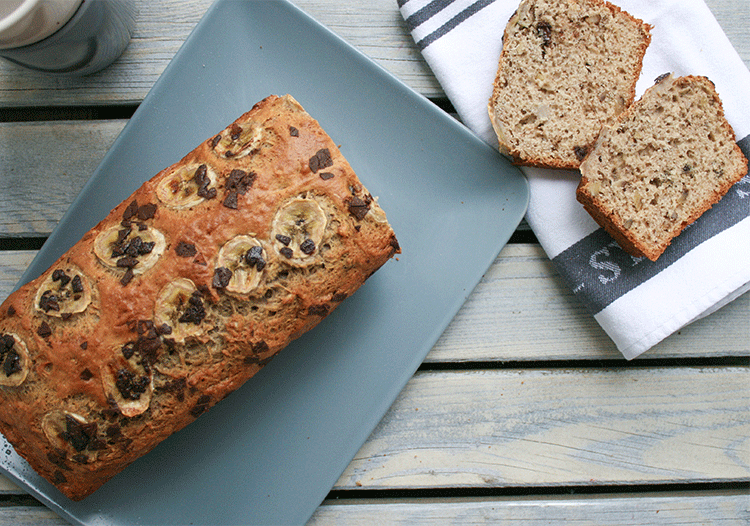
(556, 427)
(43, 166)
(373, 26)
(724, 508)
(728, 509)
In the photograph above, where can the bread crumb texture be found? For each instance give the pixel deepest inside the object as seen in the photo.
(182, 293)
(667, 160)
(567, 67)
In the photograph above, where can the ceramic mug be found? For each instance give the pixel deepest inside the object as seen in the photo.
(65, 37)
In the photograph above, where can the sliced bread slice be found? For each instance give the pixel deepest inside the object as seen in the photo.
(566, 68)
(666, 160)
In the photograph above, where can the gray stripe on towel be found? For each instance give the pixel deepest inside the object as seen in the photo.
(428, 11)
(453, 23)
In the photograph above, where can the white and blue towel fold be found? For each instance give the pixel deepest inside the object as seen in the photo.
(636, 301)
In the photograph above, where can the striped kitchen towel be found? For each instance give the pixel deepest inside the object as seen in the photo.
(636, 301)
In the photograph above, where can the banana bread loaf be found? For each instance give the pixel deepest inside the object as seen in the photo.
(566, 68)
(661, 165)
(182, 293)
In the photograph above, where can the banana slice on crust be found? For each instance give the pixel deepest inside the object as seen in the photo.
(122, 248)
(179, 304)
(297, 230)
(72, 433)
(129, 385)
(239, 140)
(240, 265)
(187, 186)
(64, 292)
(14, 359)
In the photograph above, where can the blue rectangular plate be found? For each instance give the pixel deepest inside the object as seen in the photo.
(272, 450)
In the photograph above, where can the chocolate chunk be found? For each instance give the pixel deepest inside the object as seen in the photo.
(201, 405)
(185, 250)
(260, 347)
(12, 363)
(133, 248)
(48, 302)
(215, 141)
(394, 244)
(580, 152)
(307, 246)
(57, 458)
(326, 175)
(254, 258)
(148, 348)
(318, 310)
(6, 343)
(203, 181)
(113, 432)
(338, 297)
(235, 131)
(286, 252)
(11, 311)
(127, 277)
(358, 208)
(252, 360)
(146, 211)
(61, 276)
(128, 350)
(164, 329)
(86, 375)
(76, 284)
(294, 132)
(284, 240)
(84, 345)
(80, 458)
(144, 326)
(238, 182)
(661, 78)
(195, 311)
(231, 200)
(127, 262)
(78, 434)
(321, 159)
(222, 276)
(130, 211)
(44, 330)
(176, 387)
(58, 477)
(131, 387)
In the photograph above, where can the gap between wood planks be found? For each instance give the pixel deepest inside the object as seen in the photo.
(106, 112)
(614, 363)
(739, 487)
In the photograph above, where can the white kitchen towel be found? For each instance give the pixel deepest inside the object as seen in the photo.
(636, 301)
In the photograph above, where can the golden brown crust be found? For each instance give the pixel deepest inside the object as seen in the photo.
(145, 357)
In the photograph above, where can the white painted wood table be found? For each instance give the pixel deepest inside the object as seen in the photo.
(523, 411)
